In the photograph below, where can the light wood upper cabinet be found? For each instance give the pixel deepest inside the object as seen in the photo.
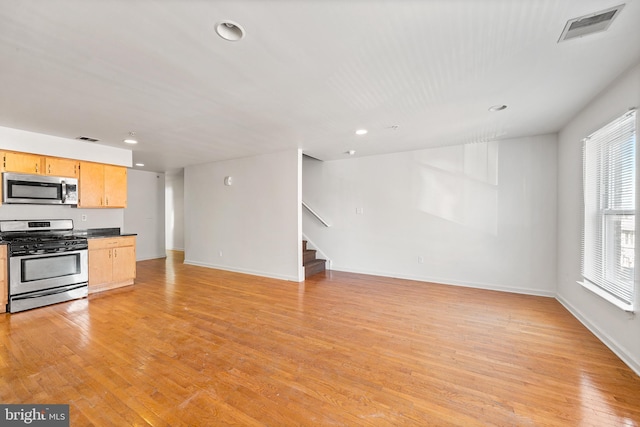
(91, 192)
(22, 162)
(102, 186)
(40, 165)
(115, 186)
(55, 166)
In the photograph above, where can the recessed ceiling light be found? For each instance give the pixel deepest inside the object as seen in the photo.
(229, 30)
(130, 141)
(361, 132)
(139, 164)
(351, 152)
(497, 108)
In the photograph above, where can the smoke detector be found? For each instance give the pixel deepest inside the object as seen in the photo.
(589, 24)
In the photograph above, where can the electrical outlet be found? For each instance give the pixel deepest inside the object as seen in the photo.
(359, 211)
(420, 259)
(220, 253)
(84, 217)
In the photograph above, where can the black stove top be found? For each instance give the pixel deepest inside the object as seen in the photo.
(34, 245)
(26, 238)
(40, 237)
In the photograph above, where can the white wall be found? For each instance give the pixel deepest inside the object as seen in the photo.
(252, 226)
(481, 215)
(38, 143)
(144, 214)
(619, 330)
(174, 208)
(95, 218)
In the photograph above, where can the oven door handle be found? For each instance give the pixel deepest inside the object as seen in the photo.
(47, 254)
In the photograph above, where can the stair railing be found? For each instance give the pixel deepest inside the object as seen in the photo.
(314, 213)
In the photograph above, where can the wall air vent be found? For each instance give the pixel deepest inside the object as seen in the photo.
(86, 138)
(589, 24)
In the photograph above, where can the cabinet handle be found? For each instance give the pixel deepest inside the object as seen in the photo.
(115, 253)
(109, 254)
(36, 168)
(107, 199)
(49, 170)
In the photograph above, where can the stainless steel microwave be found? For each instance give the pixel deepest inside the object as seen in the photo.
(38, 189)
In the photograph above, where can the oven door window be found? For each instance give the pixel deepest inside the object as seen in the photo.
(50, 267)
(34, 190)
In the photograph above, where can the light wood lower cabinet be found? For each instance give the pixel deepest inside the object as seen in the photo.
(112, 263)
(4, 289)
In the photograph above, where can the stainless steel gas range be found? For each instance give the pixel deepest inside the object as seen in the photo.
(47, 263)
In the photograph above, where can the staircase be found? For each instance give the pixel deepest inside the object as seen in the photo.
(312, 265)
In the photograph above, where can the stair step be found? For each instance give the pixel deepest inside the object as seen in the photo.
(308, 255)
(314, 267)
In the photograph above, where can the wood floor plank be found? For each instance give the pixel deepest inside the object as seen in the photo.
(192, 346)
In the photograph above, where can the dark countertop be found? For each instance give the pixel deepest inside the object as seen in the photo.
(98, 233)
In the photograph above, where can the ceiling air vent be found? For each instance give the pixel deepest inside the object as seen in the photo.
(589, 24)
(86, 138)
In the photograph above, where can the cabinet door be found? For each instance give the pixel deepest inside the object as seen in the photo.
(124, 263)
(91, 185)
(100, 267)
(115, 186)
(55, 166)
(22, 163)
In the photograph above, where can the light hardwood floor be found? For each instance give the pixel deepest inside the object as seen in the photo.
(191, 346)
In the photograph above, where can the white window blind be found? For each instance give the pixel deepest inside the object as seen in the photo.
(608, 241)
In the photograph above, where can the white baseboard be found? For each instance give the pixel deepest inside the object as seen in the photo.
(152, 257)
(607, 340)
(243, 271)
(476, 285)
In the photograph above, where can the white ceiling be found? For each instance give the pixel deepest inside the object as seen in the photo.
(307, 74)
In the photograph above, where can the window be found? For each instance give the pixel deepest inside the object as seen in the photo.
(608, 240)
